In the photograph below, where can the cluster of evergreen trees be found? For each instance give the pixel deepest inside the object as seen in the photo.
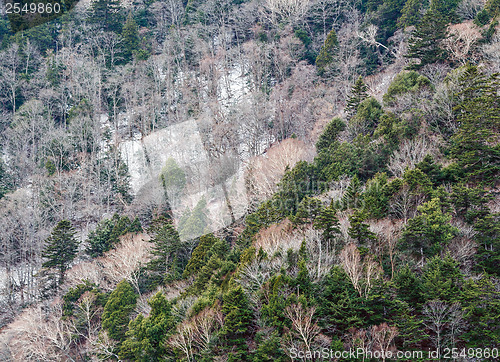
(373, 287)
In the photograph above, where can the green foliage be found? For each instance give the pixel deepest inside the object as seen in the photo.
(358, 230)
(273, 308)
(328, 222)
(270, 349)
(116, 313)
(168, 254)
(468, 202)
(200, 255)
(405, 82)
(441, 279)
(359, 93)
(238, 320)
(107, 15)
(326, 55)
(130, 34)
(425, 42)
(146, 335)
(482, 18)
(481, 301)
(353, 196)
(430, 231)
(61, 248)
(330, 134)
(388, 15)
(446, 8)
(473, 145)
(375, 198)
(431, 169)
(308, 209)
(5, 183)
(488, 239)
(106, 234)
(360, 157)
(367, 117)
(411, 13)
(409, 287)
(296, 184)
(172, 176)
(205, 274)
(196, 223)
(74, 294)
(339, 304)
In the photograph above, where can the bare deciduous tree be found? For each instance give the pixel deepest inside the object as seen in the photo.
(124, 262)
(303, 324)
(184, 340)
(461, 42)
(362, 274)
(383, 337)
(409, 154)
(444, 320)
(286, 10)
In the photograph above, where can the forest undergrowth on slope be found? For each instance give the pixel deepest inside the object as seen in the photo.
(369, 136)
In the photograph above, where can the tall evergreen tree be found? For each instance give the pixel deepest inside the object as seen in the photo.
(473, 145)
(328, 222)
(326, 55)
(116, 314)
(146, 335)
(107, 15)
(425, 42)
(446, 8)
(61, 248)
(308, 209)
(429, 232)
(130, 34)
(352, 196)
(168, 253)
(358, 230)
(195, 224)
(359, 93)
(411, 13)
(237, 322)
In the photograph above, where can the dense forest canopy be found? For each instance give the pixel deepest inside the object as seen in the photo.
(251, 180)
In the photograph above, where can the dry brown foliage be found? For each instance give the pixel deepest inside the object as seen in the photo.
(265, 171)
(461, 44)
(361, 273)
(271, 239)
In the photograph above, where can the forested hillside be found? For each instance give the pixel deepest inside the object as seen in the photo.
(251, 180)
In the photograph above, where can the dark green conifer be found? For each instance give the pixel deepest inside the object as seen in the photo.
(359, 93)
(326, 55)
(411, 13)
(308, 209)
(429, 232)
(167, 246)
(130, 34)
(330, 134)
(473, 145)
(116, 314)
(61, 248)
(358, 230)
(425, 42)
(237, 322)
(328, 222)
(352, 196)
(146, 335)
(106, 14)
